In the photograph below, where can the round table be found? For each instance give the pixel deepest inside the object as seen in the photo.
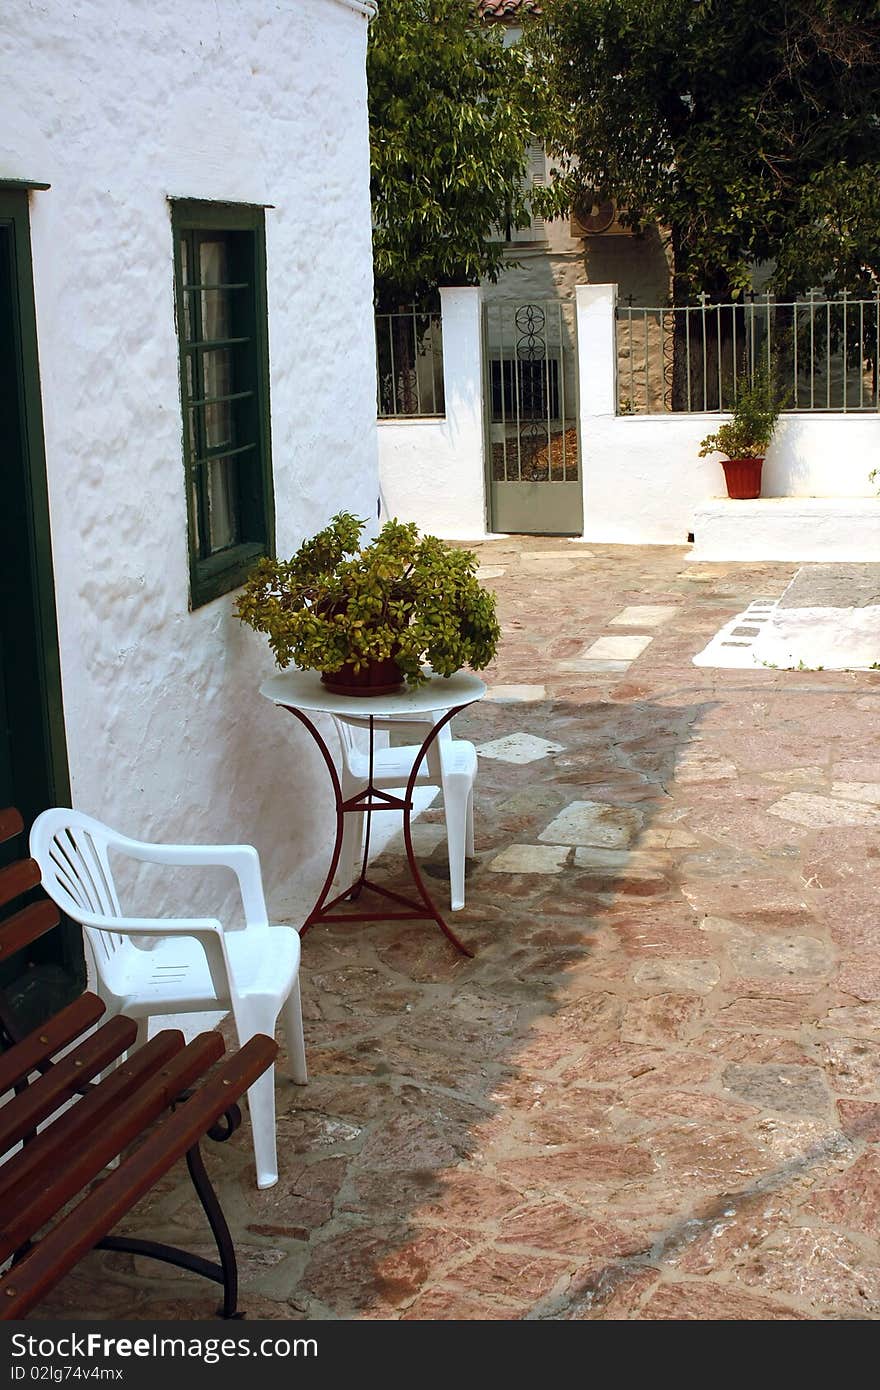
(303, 695)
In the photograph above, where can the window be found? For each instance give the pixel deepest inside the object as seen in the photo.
(220, 281)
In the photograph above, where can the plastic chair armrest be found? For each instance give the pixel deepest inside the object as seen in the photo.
(152, 926)
(243, 861)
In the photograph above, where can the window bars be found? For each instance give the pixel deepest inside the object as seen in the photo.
(823, 353)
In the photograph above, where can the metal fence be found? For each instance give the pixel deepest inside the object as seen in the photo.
(409, 364)
(822, 354)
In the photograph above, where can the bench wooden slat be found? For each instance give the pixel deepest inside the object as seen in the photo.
(77, 1125)
(96, 1215)
(54, 1185)
(59, 1030)
(22, 1115)
(26, 926)
(18, 878)
(11, 823)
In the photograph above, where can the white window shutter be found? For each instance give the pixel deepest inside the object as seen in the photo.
(536, 175)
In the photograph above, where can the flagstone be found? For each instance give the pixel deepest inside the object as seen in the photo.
(805, 808)
(587, 665)
(530, 859)
(699, 976)
(820, 1265)
(704, 1302)
(516, 694)
(860, 1120)
(852, 1065)
(700, 765)
(519, 748)
(622, 648)
(868, 792)
(661, 1018)
(593, 823)
(644, 615)
(767, 954)
(795, 1090)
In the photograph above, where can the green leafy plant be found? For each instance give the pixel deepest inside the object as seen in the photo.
(755, 413)
(403, 596)
(451, 116)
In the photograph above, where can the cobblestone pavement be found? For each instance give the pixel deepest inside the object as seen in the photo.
(655, 1093)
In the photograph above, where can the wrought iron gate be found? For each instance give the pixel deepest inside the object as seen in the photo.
(531, 412)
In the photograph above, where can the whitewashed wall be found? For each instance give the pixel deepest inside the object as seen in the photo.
(643, 477)
(432, 471)
(119, 106)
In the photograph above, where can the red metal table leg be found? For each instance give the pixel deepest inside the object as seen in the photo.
(369, 800)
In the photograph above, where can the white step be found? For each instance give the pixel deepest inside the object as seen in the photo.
(787, 528)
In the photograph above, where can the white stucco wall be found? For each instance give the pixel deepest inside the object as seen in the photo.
(643, 477)
(432, 471)
(119, 106)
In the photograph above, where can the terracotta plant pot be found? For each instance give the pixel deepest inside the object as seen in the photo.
(376, 678)
(743, 477)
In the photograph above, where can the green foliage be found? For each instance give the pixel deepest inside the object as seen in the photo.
(449, 126)
(755, 413)
(748, 130)
(403, 596)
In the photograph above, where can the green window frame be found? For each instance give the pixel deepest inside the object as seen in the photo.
(223, 341)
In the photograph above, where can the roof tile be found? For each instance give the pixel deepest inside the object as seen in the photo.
(507, 9)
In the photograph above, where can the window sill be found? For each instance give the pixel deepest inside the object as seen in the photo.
(410, 419)
(211, 579)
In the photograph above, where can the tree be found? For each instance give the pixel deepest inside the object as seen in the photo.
(450, 122)
(749, 130)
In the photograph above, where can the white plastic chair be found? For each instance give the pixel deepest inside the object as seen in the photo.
(194, 966)
(450, 763)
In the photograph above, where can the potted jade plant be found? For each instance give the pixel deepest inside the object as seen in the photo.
(744, 439)
(369, 616)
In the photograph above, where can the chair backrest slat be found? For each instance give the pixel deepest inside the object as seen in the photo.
(77, 874)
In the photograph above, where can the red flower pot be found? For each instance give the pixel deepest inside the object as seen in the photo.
(743, 477)
(376, 678)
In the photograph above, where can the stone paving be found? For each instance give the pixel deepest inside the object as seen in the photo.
(655, 1092)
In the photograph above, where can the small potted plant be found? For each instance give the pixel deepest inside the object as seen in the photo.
(368, 617)
(744, 439)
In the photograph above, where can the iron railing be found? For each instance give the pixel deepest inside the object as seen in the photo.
(821, 353)
(409, 364)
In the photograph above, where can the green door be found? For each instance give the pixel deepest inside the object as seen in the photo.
(33, 760)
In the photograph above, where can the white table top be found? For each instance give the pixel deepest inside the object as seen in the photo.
(303, 690)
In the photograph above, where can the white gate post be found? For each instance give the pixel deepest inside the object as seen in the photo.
(464, 482)
(597, 349)
(432, 469)
(597, 386)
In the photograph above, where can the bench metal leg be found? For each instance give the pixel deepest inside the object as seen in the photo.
(226, 1272)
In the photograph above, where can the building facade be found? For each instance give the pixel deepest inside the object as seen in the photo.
(186, 259)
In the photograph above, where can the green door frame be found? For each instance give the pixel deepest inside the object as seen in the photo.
(34, 625)
(14, 217)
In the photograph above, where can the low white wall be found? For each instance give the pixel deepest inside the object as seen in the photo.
(643, 476)
(119, 107)
(432, 471)
(787, 528)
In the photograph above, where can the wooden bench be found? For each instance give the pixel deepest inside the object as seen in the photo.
(147, 1111)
